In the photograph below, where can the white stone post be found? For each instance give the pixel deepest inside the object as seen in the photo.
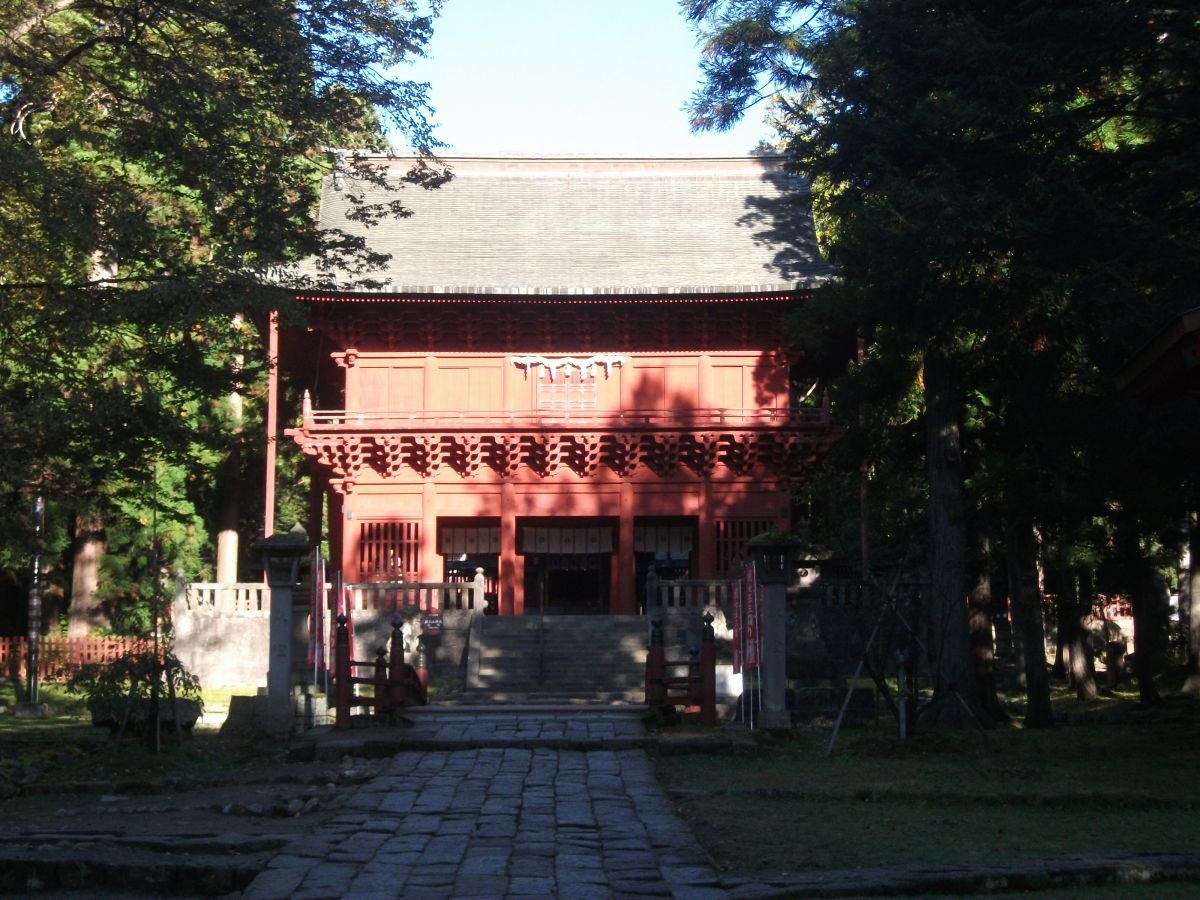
(478, 591)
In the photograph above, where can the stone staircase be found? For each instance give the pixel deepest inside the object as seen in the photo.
(557, 659)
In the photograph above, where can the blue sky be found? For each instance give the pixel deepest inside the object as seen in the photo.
(597, 77)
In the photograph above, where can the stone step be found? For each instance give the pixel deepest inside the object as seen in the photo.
(571, 687)
(623, 703)
(585, 655)
(576, 656)
(552, 677)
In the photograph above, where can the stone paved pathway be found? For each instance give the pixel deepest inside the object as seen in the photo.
(520, 819)
(557, 727)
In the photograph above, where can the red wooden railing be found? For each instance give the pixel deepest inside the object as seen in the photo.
(609, 419)
(697, 690)
(59, 658)
(395, 682)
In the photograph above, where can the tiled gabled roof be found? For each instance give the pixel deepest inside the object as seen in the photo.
(590, 226)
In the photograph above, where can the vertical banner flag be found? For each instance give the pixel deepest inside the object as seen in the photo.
(316, 621)
(752, 621)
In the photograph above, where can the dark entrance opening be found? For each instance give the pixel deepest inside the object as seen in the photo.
(666, 545)
(576, 584)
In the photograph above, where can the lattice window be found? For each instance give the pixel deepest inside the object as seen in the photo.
(732, 535)
(389, 550)
(471, 541)
(566, 541)
(667, 540)
(568, 390)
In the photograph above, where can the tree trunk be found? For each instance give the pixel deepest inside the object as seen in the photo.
(1087, 596)
(1149, 619)
(1018, 639)
(1074, 609)
(84, 615)
(1062, 632)
(956, 695)
(1148, 594)
(228, 516)
(230, 493)
(979, 621)
(1190, 615)
(1027, 620)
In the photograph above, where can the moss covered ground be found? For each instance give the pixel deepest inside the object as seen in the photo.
(1115, 780)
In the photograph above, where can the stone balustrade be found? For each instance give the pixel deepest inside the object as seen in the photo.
(426, 596)
(227, 598)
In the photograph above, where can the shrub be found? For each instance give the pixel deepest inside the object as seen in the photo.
(110, 687)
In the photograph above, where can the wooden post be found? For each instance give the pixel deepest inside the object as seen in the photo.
(422, 668)
(695, 689)
(342, 674)
(382, 700)
(708, 672)
(656, 666)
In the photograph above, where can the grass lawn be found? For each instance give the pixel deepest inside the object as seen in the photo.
(66, 748)
(1124, 785)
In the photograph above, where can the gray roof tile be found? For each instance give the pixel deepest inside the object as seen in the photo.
(591, 226)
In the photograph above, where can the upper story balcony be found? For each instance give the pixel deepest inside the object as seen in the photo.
(561, 420)
(745, 442)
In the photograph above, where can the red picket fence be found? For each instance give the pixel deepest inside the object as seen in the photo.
(59, 658)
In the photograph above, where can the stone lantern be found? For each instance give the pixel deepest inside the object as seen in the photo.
(772, 553)
(281, 556)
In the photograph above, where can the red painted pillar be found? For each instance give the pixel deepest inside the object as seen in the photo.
(316, 504)
(706, 555)
(431, 569)
(509, 583)
(349, 542)
(518, 606)
(625, 600)
(337, 528)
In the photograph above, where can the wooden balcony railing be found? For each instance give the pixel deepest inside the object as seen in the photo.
(528, 420)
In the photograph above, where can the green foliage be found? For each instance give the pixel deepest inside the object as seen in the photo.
(1009, 193)
(128, 683)
(160, 167)
(1014, 184)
